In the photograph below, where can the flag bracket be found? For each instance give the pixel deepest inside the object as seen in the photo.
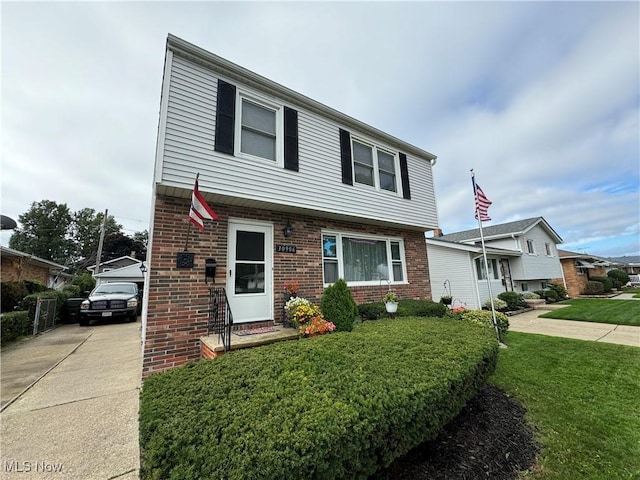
(184, 259)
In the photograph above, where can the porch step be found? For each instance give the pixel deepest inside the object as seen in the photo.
(211, 347)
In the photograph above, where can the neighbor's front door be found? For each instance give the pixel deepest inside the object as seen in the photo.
(249, 277)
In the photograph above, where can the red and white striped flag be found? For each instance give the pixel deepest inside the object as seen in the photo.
(482, 204)
(200, 209)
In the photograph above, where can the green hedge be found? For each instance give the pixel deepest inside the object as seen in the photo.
(406, 308)
(15, 325)
(11, 294)
(338, 406)
(485, 318)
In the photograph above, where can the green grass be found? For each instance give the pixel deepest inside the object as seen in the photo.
(584, 400)
(617, 312)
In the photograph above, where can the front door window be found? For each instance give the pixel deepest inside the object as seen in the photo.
(250, 262)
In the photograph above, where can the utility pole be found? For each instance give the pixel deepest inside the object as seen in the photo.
(98, 257)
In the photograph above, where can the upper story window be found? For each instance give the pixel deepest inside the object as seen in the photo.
(362, 260)
(374, 166)
(250, 126)
(258, 133)
(530, 249)
(547, 248)
(493, 269)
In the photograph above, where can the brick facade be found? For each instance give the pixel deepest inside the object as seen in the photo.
(16, 269)
(177, 300)
(577, 282)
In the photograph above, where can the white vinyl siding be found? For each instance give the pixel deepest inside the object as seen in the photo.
(188, 149)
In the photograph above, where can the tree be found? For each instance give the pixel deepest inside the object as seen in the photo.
(43, 232)
(85, 233)
(118, 245)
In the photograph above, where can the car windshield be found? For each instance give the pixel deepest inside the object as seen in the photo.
(114, 288)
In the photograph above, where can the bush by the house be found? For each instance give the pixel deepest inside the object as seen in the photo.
(530, 296)
(338, 306)
(12, 294)
(485, 318)
(619, 277)
(515, 300)
(14, 325)
(34, 286)
(553, 293)
(371, 311)
(85, 281)
(594, 288)
(499, 304)
(72, 291)
(421, 308)
(606, 282)
(340, 406)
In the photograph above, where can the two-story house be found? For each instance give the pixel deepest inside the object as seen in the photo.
(521, 256)
(303, 193)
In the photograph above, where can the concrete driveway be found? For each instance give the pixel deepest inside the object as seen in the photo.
(70, 402)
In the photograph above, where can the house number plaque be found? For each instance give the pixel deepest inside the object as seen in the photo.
(286, 248)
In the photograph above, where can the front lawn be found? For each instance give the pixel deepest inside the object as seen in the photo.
(338, 406)
(583, 398)
(617, 312)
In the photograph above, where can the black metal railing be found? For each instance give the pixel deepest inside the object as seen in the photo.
(220, 317)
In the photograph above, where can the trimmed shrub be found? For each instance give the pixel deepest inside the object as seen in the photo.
(560, 292)
(485, 318)
(594, 288)
(34, 286)
(336, 406)
(620, 277)
(421, 308)
(338, 306)
(371, 311)
(72, 291)
(530, 296)
(515, 300)
(11, 295)
(498, 304)
(14, 325)
(606, 282)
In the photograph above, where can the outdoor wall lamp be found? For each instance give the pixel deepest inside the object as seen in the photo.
(143, 268)
(288, 229)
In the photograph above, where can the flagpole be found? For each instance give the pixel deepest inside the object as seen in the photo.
(484, 255)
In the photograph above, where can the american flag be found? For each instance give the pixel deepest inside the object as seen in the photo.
(482, 204)
(200, 209)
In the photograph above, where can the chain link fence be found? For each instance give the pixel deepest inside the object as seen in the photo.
(45, 317)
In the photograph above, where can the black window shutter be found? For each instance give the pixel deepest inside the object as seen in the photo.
(404, 175)
(345, 157)
(225, 117)
(290, 139)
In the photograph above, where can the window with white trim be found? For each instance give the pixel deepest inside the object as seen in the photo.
(374, 166)
(259, 128)
(362, 259)
(493, 269)
(530, 249)
(547, 249)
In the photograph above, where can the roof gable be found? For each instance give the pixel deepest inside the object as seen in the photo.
(504, 230)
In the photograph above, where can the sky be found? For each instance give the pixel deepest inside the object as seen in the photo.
(540, 99)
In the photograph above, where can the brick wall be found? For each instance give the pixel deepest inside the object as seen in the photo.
(16, 269)
(577, 282)
(177, 301)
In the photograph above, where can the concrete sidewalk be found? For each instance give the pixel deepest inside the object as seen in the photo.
(530, 322)
(79, 420)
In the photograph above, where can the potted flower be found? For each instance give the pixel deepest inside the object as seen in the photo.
(390, 302)
(291, 290)
(446, 299)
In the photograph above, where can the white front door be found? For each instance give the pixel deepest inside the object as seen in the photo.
(249, 276)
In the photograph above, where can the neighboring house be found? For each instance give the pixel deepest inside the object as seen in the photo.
(357, 202)
(630, 264)
(127, 273)
(115, 264)
(521, 256)
(579, 268)
(18, 266)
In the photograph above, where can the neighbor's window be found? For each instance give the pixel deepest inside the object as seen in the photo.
(547, 248)
(374, 166)
(524, 287)
(530, 247)
(258, 129)
(362, 260)
(580, 269)
(493, 269)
